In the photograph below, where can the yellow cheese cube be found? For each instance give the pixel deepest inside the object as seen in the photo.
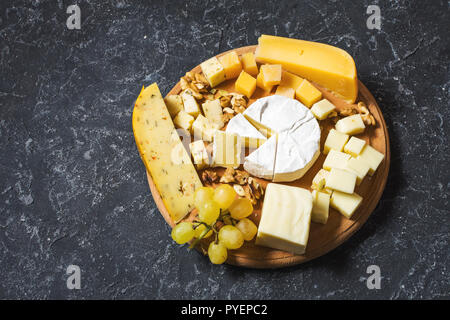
(307, 93)
(226, 149)
(285, 91)
(183, 120)
(372, 157)
(358, 167)
(290, 80)
(249, 63)
(189, 103)
(245, 84)
(231, 65)
(174, 104)
(336, 159)
(322, 109)
(260, 83)
(203, 129)
(199, 154)
(354, 146)
(341, 180)
(321, 206)
(271, 74)
(335, 141)
(213, 71)
(351, 124)
(213, 112)
(319, 180)
(345, 203)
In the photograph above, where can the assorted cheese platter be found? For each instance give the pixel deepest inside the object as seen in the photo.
(265, 156)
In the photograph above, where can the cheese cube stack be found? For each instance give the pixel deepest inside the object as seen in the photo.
(285, 91)
(245, 84)
(271, 74)
(372, 157)
(354, 146)
(213, 112)
(336, 159)
(226, 149)
(321, 207)
(341, 180)
(285, 218)
(351, 125)
(322, 109)
(335, 140)
(249, 63)
(358, 167)
(203, 129)
(183, 120)
(174, 104)
(189, 103)
(307, 93)
(213, 71)
(231, 64)
(199, 154)
(345, 203)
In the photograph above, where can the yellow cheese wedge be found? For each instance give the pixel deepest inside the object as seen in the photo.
(249, 63)
(245, 84)
(328, 66)
(307, 93)
(163, 153)
(231, 65)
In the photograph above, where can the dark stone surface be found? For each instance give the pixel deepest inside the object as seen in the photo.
(73, 188)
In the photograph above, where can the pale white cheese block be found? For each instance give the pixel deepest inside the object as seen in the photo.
(261, 162)
(285, 218)
(250, 136)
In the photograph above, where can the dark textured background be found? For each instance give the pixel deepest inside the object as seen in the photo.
(73, 188)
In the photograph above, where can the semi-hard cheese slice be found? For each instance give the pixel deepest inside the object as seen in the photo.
(330, 67)
(250, 136)
(163, 153)
(285, 218)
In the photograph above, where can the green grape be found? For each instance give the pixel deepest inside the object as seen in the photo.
(208, 212)
(183, 232)
(231, 237)
(248, 228)
(199, 231)
(224, 195)
(217, 253)
(241, 208)
(202, 195)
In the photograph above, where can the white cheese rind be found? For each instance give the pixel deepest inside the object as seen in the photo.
(250, 136)
(261, 162)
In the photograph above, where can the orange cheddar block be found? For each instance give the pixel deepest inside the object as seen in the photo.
(290, 80)
(249, 63)
(307, 93)
(285, 91)
(271, 74)
(245, 84)
(260, 83)
(231, 65)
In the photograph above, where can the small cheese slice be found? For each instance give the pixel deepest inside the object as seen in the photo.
(250, 136)
(189, 103)
(231, 64)
(321, 207)
(345, 203)
(213, 71)
(271, 74)
(199, 154)
(336, 159)
(372, 157)
(285, 218)
(320, 179)
(213, 112)
(335, 140)
(358, 167)
(183, 120)
(341, 180)
(203, 129)
(174, 104)
(245, 84)
(354, 146)
(351, 125)
(285, 91)
(226, 150)
(261, 162)
(172, 172)
(249, 63)
(290, 80)
(260, 83)
(307, 93)
(322, 109)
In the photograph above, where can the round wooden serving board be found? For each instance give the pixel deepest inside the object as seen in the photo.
(322, 238)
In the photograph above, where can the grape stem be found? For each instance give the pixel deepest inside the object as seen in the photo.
(204, 233)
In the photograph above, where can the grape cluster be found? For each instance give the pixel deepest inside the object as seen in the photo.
(218, 208)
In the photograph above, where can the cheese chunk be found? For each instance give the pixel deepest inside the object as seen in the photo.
(372, 157)
(358, 167)
(260, 83)
(307, 93)
(285, 218)
(175, 177)
(189, 103)
(351, 124)
(345, 203)
(199, 154)
(271, 74)
(213, 71)
(203, 129)
(290, 80)
(336, 159)
(249, 63)
(285, 91)
(231, 65)
(261, 162)
(250, 136)
(321, 207)
(341, 180)
(328, 66)
(354, 146)
(322, 109)
(183, 120)
(320, 179)
(213, 112)
(174, 104)
(226, 150)
(335, 140)
(245, 84)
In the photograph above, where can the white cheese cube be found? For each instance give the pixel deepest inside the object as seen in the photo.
(285, 218)
(341, 180)
(199, 154)
(226, 149)
(183, 120)
(213, 71)
(322, 109)
(213, 111)
(174, 104)
(189, 103)
(321, 206)
(345, 203)
(372, 157)
(358, 167)
(203, 129)
(319, 180)
(335, 141)
(336, 159)
(354, 146)
(351, 124)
